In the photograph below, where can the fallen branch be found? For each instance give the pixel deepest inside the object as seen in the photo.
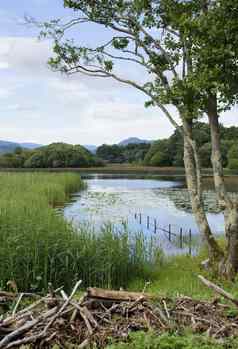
(117, 296)
(109, 314)
(63, 306)
(218, 290)
(30, 324)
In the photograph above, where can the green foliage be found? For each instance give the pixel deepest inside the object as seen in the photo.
(158, 154)
(169, 152)
(52, 156)
(233, 164)
(37, 246)
(233, 157)
(131, 153)
(110, 153)
(151, 340)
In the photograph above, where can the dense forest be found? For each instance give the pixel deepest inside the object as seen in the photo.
(130, 153)
(55, 155)
(169, 151)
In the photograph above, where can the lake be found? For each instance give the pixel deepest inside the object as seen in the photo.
(131, 199)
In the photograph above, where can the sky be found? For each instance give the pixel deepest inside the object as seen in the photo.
(41, 106)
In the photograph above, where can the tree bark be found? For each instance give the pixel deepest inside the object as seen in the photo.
(229, 207)
(216, 157)
(193, 179)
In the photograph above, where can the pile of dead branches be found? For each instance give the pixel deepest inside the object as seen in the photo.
(102, 314)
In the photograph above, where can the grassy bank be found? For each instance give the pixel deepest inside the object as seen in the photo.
(178, 275)
(37, 246)
(130, 169)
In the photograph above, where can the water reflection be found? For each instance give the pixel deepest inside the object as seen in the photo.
(117, 199)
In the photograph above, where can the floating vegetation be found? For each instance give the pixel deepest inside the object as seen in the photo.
(181, 199)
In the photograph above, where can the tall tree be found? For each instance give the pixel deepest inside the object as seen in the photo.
(166, 39)
(214, 43)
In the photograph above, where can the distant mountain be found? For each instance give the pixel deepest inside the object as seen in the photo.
(133, 140)
(30, 145)
(8, 147)
(91, 148)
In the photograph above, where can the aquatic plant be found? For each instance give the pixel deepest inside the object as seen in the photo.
(38, 246)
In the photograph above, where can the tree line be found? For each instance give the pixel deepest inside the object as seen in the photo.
(55, 155)
(170, 151)
(163, 152)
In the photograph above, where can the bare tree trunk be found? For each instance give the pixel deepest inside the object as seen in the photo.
(193, 178)
(230, 207)
(216, 157)
(230, 267)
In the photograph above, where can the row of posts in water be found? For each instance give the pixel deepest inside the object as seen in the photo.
(182, 237)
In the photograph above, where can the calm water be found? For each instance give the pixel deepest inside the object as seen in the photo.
(118, 198)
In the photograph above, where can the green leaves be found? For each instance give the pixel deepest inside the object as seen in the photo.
(120, 43)
(108, 66)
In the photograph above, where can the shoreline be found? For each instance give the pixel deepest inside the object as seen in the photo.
(123, 169)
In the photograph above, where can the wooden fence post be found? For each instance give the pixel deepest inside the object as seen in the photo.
(140, 218)
(190, 242)
(169, 232)
(181, 238)
(155, 226)
(148, 222)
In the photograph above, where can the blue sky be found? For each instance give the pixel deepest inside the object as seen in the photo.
(41, 106)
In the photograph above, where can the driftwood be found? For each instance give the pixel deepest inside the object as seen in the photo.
(102, 314)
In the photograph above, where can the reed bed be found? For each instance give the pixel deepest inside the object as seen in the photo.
(38, 246)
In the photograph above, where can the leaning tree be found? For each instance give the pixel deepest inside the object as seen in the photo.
(168, 41)
(213, 35)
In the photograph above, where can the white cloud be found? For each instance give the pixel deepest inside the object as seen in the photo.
(25, 55)
(41, 106)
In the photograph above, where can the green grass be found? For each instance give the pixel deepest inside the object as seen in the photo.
(178, 275)
(151, 340)
(38, 246)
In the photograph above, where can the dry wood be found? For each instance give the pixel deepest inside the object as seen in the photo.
(166, 309)
(89, 320)
(119, 296)
(9, 295)
(218, 290)
(26, 340)
(64, 305)
(17, 304)
(19, 331)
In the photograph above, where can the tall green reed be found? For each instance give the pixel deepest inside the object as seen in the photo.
(38, 246)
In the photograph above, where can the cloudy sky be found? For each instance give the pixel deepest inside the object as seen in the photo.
(41, 106)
